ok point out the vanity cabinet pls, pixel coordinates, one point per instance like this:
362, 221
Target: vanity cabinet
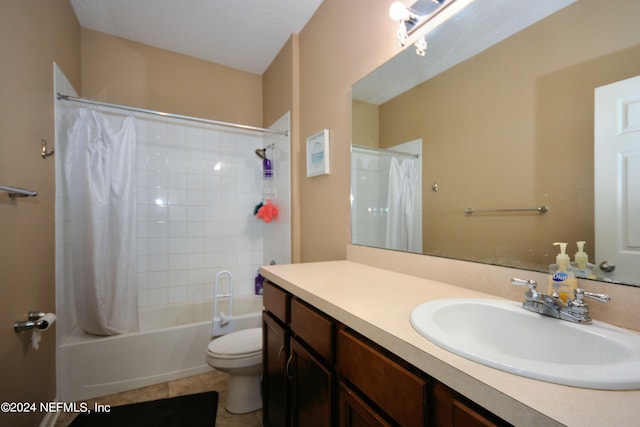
275, 402
311, 367
318, 372
451, 409
298, 362
394, 392
355, 412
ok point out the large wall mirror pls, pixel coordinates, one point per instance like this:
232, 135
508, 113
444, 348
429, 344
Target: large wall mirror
499, 114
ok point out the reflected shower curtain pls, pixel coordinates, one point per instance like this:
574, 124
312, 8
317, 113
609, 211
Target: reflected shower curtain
100, 176
403, 182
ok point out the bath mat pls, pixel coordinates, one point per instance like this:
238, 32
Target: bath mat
193, 410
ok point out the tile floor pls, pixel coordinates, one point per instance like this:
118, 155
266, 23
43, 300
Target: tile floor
214, 380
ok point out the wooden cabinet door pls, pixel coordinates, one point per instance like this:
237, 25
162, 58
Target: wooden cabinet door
311, 389
450, 411
353, 412
399, 393
313, 328
276, 301
275, 407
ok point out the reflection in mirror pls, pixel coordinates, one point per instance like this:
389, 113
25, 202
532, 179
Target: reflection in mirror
387, 196
510, 127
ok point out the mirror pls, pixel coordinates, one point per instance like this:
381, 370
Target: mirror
503, 102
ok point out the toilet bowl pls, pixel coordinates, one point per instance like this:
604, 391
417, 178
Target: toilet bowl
239, 354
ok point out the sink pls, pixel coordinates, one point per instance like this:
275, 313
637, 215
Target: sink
503, 335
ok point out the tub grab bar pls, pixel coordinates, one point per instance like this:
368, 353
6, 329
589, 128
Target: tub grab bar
222, 323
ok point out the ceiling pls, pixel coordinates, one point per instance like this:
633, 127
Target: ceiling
242, 34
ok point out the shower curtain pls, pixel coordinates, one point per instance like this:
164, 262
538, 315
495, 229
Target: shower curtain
401, 199
99, 168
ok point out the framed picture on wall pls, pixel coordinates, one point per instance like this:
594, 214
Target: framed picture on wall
318, 153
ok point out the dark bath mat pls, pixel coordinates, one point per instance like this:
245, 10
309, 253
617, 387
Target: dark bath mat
193, 410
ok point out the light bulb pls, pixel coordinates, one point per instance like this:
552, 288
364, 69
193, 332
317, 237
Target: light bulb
398, 11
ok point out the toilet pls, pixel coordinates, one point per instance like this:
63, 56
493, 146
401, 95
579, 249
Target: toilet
239, 354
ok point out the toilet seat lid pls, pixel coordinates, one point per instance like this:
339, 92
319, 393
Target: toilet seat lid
245, 341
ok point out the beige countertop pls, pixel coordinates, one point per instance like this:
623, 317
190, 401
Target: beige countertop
377, 303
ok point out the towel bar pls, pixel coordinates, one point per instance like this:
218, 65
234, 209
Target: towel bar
18, 192
541, 209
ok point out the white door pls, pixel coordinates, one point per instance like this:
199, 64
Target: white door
617, 179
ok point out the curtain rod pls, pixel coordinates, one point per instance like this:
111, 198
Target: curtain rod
169, 115
383, 151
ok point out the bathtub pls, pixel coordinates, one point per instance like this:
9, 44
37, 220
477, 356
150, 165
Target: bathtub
171, 344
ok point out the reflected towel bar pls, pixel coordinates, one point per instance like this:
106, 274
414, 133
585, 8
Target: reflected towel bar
541, 209
17, 192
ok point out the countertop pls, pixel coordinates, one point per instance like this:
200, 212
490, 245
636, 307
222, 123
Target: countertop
377, 303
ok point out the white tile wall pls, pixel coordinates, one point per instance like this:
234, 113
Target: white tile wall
370, 181
197, 189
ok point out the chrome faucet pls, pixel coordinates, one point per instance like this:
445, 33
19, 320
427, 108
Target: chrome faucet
575, 310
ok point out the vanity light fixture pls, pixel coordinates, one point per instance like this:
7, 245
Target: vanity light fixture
398, 12
418, 14
421, 46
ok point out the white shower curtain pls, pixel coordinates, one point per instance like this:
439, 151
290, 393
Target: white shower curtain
100, 175
401, 201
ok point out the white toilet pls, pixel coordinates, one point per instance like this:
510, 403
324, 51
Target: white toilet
239, 354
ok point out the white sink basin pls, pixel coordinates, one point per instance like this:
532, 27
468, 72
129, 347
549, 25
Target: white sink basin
503, 335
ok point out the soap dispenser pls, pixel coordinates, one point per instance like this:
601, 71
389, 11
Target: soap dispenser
562, 280
581, 265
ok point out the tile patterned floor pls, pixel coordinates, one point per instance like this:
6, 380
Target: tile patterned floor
214, 380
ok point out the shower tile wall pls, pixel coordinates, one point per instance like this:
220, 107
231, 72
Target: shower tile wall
197, 189
369, 198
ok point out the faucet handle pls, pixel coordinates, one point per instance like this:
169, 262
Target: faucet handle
580, 293
522, 282
532, 284
581, 308
532, 293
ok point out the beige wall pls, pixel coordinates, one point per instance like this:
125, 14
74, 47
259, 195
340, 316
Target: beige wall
343, 42
365, 120
280, 81
280, 93
125, 72
494, 123
33, 34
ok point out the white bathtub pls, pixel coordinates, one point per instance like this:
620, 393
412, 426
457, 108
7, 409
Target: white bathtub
171, 344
